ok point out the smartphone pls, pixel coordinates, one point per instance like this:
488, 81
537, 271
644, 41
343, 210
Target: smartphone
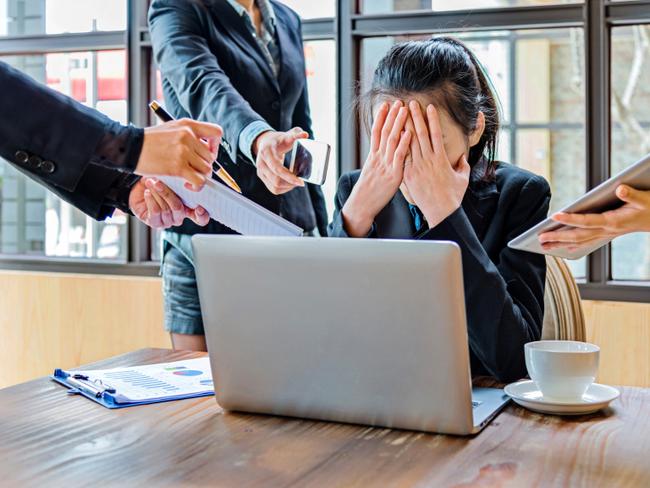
309, 160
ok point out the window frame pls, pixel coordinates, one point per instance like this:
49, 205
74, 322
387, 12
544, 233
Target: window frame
348, 28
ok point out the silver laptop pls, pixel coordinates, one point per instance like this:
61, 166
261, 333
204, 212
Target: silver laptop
348, 330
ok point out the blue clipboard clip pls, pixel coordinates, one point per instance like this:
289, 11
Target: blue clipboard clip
82, 384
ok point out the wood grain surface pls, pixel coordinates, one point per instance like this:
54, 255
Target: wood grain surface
59, 320
49, 439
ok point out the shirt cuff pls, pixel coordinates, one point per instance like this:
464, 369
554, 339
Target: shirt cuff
120, 147
118, 195
248, 135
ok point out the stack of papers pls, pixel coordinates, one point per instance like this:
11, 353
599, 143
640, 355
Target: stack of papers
232, 209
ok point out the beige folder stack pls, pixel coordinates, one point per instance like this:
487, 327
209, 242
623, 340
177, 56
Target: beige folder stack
563, 315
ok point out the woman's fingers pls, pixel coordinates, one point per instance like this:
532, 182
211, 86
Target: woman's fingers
395, 134
388, 125
377, 126
638, 198
273, 182
154, 212
463, 168
203, 129
570, 236
416, 151
173, 201
199, 216
435, 132
584, 221
402, 149
206, 156
421, 130
166, 214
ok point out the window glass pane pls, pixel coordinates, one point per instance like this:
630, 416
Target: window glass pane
312, 9
33, 220
33, 17
538, 76
320, 57
630, 81
381, 6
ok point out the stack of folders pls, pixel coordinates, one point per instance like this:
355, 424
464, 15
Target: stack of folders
140, 385
233, 209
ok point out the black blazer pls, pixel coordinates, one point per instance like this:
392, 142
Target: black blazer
504, 288
213, 70
74, 151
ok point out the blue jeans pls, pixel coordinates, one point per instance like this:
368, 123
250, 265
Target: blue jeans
182, 309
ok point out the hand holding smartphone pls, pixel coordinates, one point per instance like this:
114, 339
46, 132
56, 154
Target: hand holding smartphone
309, 160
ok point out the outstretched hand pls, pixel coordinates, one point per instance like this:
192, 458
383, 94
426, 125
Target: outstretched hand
586, 229
270, 148
183, 148
155, 204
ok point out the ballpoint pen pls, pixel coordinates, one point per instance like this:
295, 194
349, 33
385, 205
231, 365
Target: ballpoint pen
221, 173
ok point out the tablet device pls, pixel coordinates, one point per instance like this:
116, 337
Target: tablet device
600, 199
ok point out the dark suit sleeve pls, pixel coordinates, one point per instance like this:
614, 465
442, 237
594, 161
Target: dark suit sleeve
505, 301
186, 61
336, 228
54, 138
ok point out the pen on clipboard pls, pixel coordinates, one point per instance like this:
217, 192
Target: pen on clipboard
221, 173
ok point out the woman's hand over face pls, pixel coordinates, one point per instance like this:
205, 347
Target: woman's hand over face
382, 172
436, 186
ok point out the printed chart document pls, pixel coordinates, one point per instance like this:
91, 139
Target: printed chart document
232, 209
137, 385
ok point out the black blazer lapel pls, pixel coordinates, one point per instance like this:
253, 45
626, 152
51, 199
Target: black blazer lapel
486, 197
233, 25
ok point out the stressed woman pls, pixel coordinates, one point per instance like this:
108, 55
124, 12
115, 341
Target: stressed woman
431, 174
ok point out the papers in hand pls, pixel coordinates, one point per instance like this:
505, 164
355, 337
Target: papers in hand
232, 209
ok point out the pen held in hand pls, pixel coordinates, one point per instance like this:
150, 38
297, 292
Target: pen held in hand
221, 173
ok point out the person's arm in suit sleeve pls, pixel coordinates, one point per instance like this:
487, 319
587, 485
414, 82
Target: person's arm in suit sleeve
505, 301
185, 59
336, 228
55, 138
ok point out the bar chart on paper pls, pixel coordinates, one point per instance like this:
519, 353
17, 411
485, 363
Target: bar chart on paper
156, 381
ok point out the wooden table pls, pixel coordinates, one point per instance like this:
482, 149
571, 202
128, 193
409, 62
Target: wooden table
49, 439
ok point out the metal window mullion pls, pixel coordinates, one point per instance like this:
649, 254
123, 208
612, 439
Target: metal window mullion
87, 41
315, 29
597, 69
139, 248
628, 13
509, 18
347, 60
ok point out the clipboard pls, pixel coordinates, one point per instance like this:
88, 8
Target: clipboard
232, 209
140, 385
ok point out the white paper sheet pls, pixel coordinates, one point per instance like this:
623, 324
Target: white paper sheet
232, 209
155, 381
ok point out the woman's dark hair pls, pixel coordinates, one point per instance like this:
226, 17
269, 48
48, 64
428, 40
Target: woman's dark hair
445, 70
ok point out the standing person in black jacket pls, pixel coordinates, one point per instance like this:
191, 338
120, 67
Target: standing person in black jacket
431, 174
239, 62
90, 160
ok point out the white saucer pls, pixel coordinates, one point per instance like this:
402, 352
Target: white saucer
526, 394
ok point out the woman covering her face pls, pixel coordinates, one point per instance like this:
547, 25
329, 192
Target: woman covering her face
431, 174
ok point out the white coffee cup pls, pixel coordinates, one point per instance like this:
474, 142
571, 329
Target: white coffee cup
562, 370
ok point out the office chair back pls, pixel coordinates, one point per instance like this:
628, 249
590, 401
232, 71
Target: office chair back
563, 317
